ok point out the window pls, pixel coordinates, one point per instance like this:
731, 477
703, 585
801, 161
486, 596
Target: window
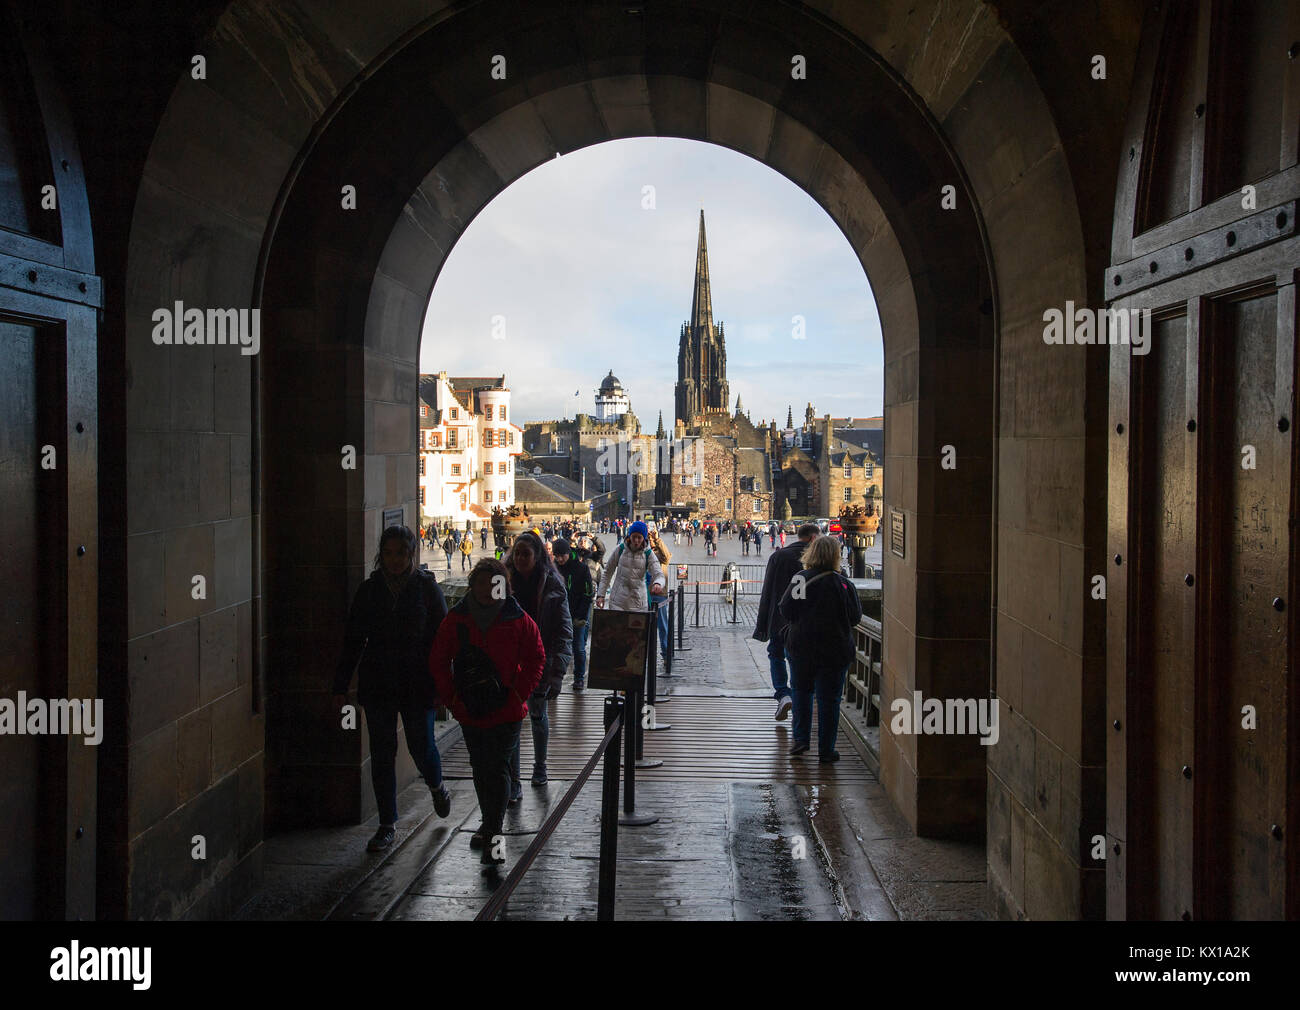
756, 506
422, 491
683, 480
511, 437
699, 502
435, 440
868, 469
487, 469
424, 410
504, 496
505, 467
848, 470
421, 466
487, 412
451, 437
487, 496
462, 501
487, 438
501, 436
502, 412
699, 479
455, 469
717, 480
455, 413
848, 494
728, 504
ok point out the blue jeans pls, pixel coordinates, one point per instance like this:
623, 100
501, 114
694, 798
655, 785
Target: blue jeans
580, 630
776, 660
828, 686
421, 741
662, 616
537, 715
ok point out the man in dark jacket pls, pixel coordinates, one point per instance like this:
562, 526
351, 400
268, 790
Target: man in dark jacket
577, 581
782, 566
390, 630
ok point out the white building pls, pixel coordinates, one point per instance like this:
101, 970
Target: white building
612, 401
468, 448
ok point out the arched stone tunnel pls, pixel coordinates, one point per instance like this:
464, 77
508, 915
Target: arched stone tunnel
224, 190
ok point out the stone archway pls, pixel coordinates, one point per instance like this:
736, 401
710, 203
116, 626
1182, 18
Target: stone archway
299, 104
933, 286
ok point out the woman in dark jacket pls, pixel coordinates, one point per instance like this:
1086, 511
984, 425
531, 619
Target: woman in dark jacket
391, 626
822, 608
539, 588
496, 623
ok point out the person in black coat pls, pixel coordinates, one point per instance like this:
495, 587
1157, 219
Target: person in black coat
822, 608
782, 566
539, 588
577, 581
391, 626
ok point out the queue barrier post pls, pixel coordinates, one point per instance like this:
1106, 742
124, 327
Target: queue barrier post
649, 722
615, 722
614, 712
631, 816
668, 654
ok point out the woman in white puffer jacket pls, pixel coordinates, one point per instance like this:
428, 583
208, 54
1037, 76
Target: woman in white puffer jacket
623, 582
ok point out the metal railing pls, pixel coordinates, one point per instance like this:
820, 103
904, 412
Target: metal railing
711, 573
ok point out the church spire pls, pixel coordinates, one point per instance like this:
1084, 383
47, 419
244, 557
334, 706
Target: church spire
701, 297
659, 432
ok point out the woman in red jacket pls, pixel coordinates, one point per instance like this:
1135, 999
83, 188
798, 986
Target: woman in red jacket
489, 619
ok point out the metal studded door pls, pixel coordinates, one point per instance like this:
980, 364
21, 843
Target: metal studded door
48, 549
1201, 684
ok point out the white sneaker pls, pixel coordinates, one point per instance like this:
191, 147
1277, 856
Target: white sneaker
783, 709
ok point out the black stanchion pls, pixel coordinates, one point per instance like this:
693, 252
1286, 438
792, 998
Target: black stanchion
646, 699
652, 684
697, 604
681, 620
668, 655
735, 596
631, 817
609, 815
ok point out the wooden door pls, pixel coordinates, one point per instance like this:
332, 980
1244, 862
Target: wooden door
48, 492
1201, 682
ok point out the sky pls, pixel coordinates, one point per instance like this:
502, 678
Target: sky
588, 271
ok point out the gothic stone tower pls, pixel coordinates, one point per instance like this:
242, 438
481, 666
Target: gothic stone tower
701, 351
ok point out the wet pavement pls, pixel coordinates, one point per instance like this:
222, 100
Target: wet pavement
745, 832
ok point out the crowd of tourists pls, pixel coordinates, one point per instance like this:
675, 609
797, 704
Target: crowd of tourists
503, 651
495, 658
